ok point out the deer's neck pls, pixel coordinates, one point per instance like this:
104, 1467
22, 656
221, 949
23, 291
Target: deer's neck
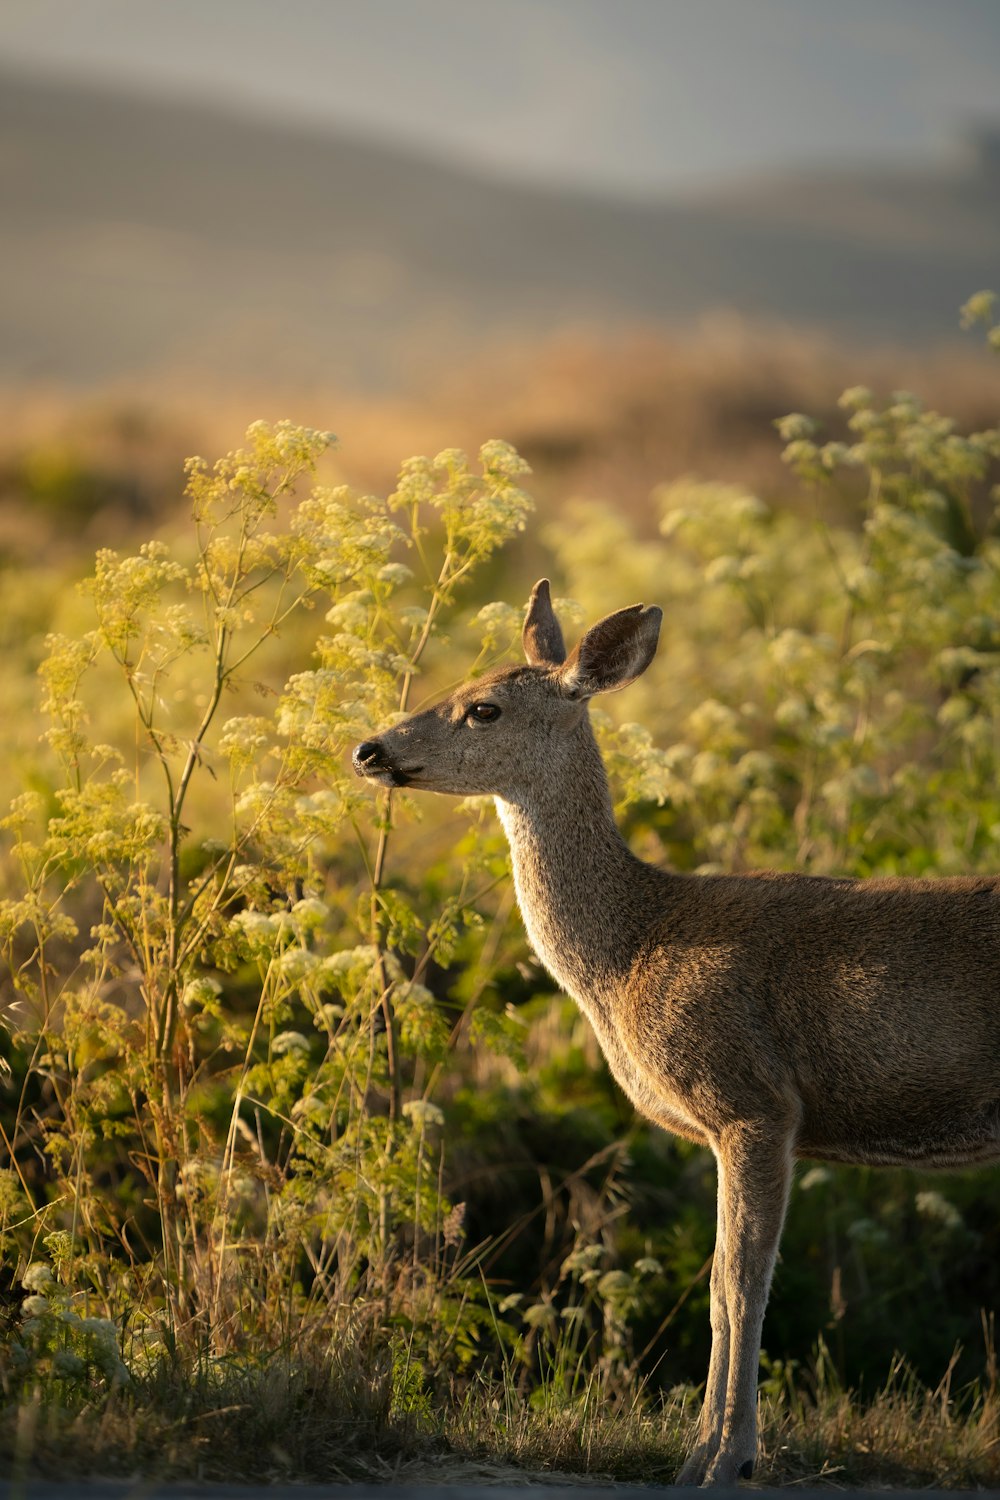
583, 894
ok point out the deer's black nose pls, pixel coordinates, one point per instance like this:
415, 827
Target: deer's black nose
368, 756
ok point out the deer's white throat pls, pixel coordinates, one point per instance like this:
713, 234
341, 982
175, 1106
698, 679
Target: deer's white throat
574, 874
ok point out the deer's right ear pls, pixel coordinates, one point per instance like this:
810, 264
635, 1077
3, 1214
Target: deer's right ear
614, 652
542, 638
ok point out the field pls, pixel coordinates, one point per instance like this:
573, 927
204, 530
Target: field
307, 1169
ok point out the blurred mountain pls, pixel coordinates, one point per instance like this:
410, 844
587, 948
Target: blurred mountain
141, 237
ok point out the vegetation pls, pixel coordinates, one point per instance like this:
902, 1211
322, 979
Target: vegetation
306, 1168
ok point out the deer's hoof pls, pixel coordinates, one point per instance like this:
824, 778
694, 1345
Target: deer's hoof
694, 1468
726, 1469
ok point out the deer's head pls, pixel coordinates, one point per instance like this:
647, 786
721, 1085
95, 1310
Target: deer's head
497, 732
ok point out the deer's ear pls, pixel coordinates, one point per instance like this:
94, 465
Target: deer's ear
614, 652
542, 638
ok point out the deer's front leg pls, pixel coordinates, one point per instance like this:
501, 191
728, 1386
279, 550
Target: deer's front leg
714, 1407
756, 1170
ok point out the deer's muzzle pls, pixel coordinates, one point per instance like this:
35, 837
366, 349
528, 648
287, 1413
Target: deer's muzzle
370, 760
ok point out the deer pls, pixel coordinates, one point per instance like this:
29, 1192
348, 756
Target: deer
769, 1016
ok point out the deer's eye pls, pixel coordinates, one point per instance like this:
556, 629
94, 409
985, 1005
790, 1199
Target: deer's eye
482, 713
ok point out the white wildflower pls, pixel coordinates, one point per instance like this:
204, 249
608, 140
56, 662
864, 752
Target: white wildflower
289, 1041
423, 1113
37, 1276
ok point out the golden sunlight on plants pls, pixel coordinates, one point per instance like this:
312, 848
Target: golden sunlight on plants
287, 1105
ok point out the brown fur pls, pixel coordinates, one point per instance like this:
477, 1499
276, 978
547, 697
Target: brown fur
767, 1016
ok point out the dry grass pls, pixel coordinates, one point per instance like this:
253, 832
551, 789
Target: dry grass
335, 1419
906, 1436
326, 1414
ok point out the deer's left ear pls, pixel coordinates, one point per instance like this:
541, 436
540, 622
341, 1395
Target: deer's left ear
614, 652
542, 637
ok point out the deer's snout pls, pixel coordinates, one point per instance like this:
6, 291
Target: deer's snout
368, 757
372, 760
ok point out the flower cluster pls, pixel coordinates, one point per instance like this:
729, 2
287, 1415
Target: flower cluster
56, 1342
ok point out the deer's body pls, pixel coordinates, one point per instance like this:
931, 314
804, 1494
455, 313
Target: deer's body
767, 1016
864, 1011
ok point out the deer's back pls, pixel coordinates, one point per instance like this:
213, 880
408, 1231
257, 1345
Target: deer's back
867, 1011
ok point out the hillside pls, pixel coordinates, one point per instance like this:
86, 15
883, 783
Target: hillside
141, 236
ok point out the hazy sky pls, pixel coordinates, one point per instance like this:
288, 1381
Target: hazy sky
630, 94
